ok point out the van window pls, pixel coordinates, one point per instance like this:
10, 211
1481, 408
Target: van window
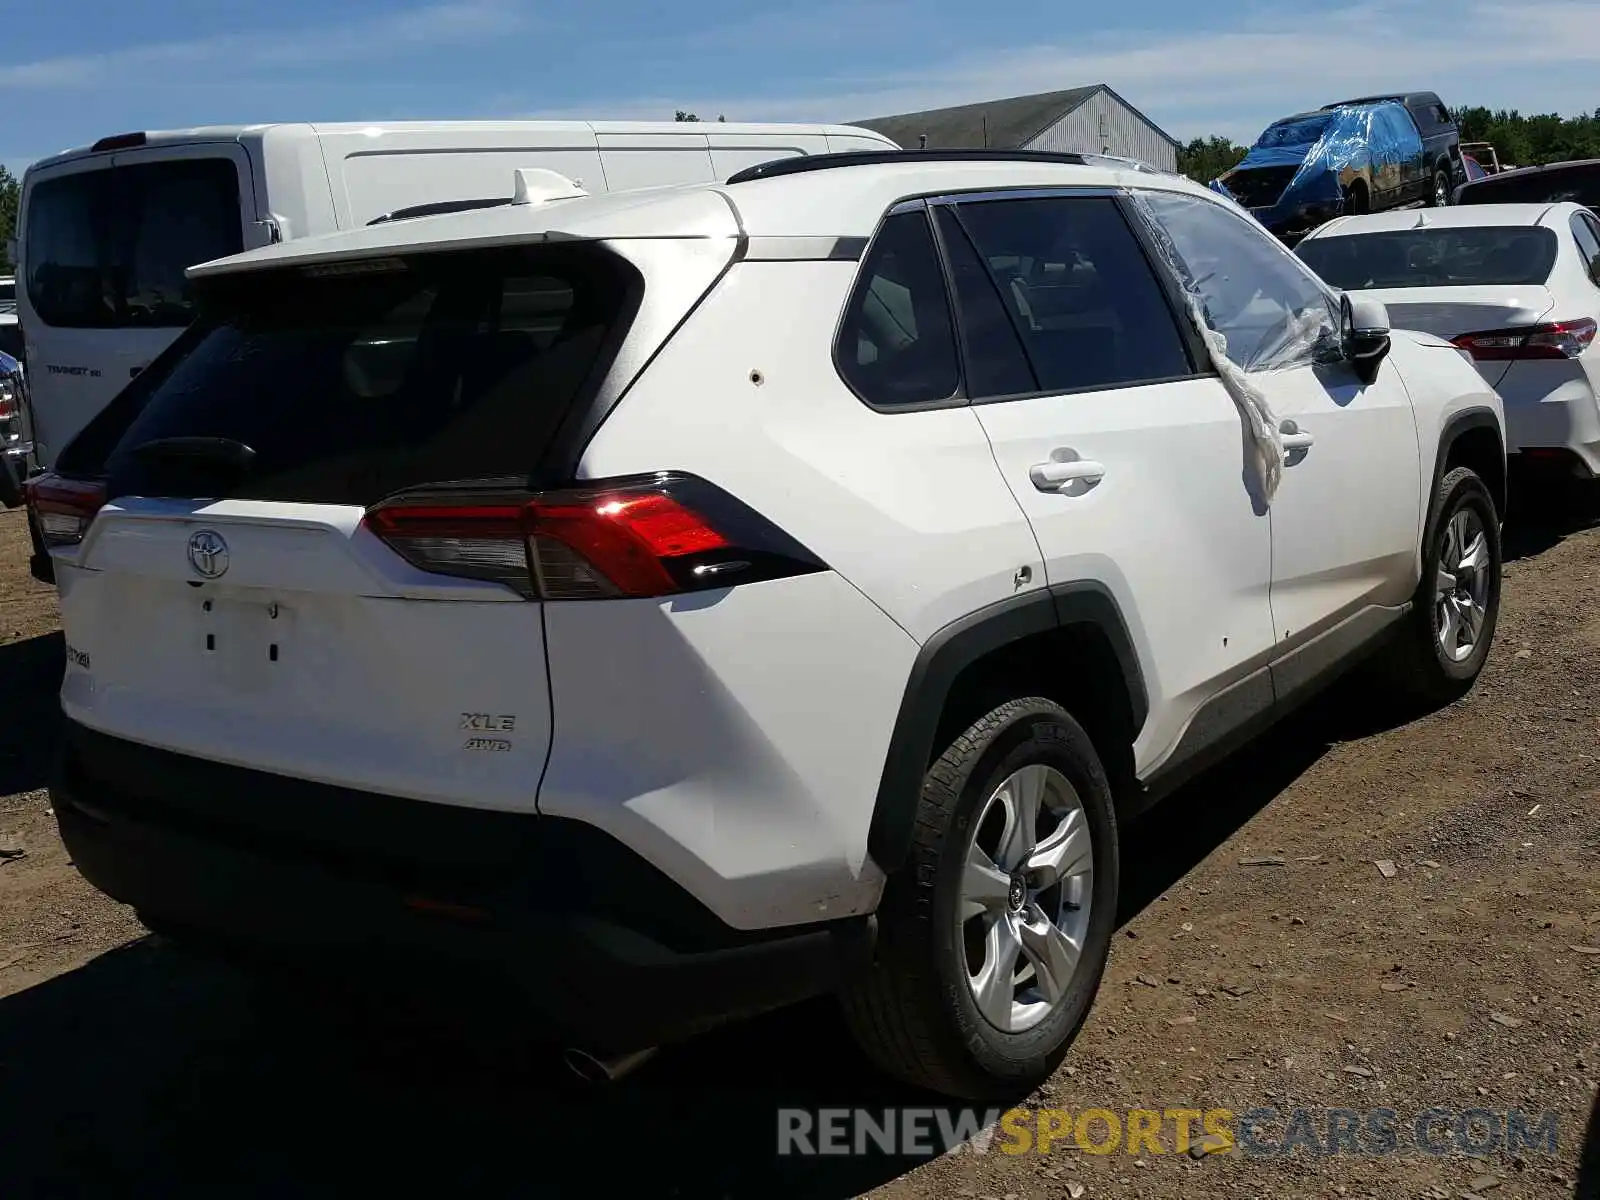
107, 249
346, 388
8, 295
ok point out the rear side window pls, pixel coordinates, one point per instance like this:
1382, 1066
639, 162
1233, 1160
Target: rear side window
347, 388
1439, 257
1080, 293
897, 346
107, 249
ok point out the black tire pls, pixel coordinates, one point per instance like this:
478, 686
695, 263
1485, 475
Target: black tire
1420, 668
1355, 199
1439, 189
913, 1011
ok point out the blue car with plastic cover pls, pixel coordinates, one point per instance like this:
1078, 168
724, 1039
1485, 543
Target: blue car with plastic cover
1311, 167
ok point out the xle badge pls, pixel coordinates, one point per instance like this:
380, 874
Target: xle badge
488, 723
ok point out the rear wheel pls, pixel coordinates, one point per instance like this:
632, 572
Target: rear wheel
1355, 199
1446, 637
1439, 196
995, 934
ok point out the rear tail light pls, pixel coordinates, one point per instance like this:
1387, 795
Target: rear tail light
1558, 339
63, 508
652, 535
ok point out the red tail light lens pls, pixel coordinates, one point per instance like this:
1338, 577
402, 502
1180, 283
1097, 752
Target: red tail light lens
651, 535
1558, 339
63, 508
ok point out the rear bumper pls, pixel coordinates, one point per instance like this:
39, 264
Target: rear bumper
544, 920
1565, 417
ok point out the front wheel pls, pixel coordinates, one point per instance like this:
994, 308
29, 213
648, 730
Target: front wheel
994, 935
1446, 637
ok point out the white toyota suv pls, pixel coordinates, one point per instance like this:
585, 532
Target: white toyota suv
656, 607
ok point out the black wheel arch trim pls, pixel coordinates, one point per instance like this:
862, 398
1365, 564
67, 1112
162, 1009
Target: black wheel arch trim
940, 662
1459, 423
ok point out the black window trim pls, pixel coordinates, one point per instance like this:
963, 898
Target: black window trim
1171, 291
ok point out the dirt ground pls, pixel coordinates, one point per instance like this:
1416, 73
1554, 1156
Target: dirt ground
1468, 978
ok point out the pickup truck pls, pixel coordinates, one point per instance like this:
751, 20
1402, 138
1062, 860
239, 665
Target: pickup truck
1441, 142
1364, 156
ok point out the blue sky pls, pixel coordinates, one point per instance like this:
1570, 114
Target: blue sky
74, 70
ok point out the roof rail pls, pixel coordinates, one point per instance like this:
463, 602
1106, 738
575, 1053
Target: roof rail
802, 164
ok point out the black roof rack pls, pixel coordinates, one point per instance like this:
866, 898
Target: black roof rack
438, 208
801, 164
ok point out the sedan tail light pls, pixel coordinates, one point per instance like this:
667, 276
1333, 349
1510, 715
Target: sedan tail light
1558, 339
653, 535
64, 508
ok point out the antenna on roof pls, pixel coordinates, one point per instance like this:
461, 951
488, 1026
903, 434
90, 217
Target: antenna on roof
536, 185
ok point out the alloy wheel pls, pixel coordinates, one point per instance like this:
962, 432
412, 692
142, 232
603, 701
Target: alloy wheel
1461, 586
1025, 896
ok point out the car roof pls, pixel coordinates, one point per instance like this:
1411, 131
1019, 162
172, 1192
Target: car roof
1398, 97
1473, 216
841, 201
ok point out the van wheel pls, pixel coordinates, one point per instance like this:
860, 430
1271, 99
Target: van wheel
994, 936
1355, 199
1445, 639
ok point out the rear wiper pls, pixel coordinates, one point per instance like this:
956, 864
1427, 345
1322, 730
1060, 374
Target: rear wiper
199, 451
192, 466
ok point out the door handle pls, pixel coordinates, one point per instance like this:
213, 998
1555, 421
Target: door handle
1053, 476
1296, 441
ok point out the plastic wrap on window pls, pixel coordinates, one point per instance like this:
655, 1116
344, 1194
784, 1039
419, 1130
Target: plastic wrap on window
1267, 459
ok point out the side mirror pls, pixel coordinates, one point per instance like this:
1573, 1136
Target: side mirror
1363, 334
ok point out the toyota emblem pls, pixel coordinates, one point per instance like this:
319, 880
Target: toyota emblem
208, 554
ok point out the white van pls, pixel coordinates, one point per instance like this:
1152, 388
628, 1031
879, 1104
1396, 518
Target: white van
106, 232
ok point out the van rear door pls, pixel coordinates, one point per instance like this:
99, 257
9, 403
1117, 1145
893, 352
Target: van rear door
104, 243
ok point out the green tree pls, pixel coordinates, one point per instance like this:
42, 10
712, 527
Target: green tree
689, 116
10, 198
1529, 141
1203, 159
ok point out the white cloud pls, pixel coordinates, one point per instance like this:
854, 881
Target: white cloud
1539, 57
470, 20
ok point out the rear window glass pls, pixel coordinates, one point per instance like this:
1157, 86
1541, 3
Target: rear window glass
1303, 131
107, 249
1503, 254
1579, 184
347, 388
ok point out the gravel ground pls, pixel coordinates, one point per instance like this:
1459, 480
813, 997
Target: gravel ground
1454, 975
